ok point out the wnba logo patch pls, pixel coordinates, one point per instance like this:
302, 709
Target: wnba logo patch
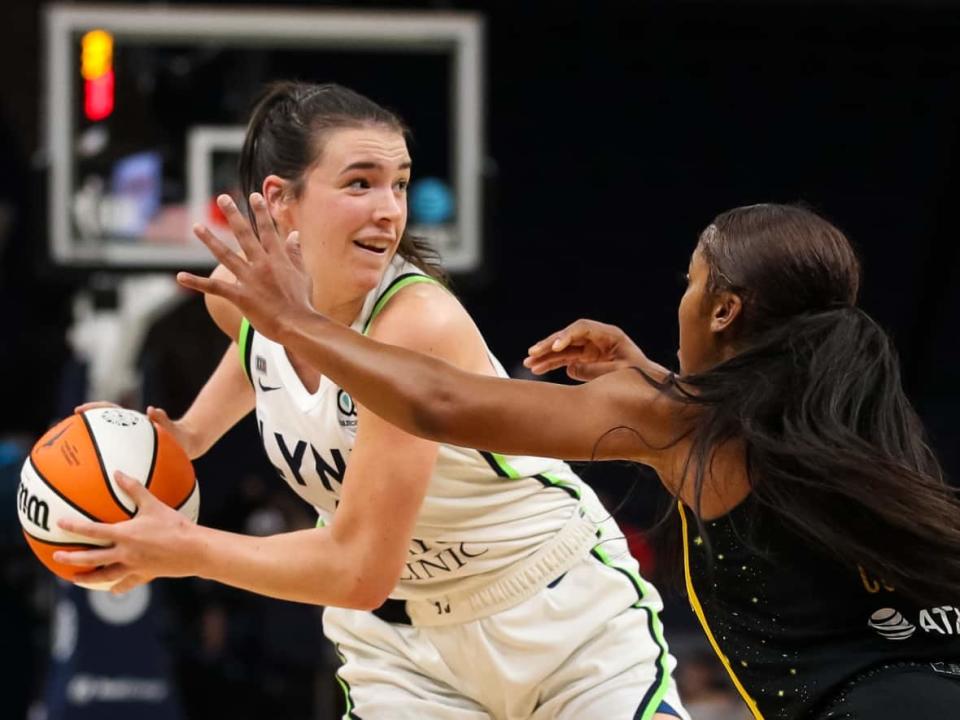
346, 410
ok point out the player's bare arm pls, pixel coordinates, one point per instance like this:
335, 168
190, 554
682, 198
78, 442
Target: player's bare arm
617, 416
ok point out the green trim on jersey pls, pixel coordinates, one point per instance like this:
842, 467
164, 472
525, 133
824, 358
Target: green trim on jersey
345, 686
496, 461
651, 701
244, 345
393, 288
504, 469
569, 488
508, 469
632, 575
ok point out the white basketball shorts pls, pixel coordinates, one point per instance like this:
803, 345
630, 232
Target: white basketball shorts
588, 645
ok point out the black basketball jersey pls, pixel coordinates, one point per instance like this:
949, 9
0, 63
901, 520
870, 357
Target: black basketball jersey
791, 624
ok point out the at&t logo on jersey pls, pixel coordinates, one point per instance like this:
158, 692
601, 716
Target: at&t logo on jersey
890, 624
346, 410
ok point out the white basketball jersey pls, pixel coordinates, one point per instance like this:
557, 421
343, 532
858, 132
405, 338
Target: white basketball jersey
482, 511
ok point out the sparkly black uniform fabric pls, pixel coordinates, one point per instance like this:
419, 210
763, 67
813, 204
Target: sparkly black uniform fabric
799, 630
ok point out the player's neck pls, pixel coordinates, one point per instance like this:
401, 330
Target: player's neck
338, 309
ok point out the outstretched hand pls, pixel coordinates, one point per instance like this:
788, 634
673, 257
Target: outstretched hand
586, 348
271, 288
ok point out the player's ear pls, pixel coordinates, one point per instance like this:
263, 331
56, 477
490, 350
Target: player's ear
727, 307
276, 192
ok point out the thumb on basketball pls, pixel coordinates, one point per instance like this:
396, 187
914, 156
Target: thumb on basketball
93, 405
160, 417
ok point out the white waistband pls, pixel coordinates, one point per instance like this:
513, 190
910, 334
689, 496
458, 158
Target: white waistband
517, 583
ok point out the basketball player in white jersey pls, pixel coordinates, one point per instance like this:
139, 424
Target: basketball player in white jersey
459, 583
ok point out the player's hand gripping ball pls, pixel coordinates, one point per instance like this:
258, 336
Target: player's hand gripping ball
70, 474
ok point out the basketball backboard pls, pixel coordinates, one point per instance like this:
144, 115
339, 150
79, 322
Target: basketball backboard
144, 120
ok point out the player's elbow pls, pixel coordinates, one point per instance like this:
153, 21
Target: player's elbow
367, 574
369, 599
370, 589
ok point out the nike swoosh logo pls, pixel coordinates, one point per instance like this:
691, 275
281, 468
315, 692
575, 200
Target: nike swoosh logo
51, 441
267, 388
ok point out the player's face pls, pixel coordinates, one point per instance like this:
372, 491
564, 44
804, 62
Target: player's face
697, 344
353, 208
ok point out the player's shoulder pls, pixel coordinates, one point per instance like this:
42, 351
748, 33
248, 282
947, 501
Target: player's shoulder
423, 316
223, 312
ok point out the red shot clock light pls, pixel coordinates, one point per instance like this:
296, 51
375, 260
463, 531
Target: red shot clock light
96, 67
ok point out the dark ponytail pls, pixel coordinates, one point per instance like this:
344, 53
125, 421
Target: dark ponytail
833, 447
286, 134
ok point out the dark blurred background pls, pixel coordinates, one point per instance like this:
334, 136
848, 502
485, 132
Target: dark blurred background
615, 132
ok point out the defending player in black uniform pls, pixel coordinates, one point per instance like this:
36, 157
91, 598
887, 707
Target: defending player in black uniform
822, 545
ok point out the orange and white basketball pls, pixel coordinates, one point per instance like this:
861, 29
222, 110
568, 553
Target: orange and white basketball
70, 473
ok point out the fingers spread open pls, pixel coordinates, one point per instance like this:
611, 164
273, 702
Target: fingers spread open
269, 240
231, 260
241, 228
208, 286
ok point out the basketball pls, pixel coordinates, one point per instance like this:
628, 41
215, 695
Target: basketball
70, 474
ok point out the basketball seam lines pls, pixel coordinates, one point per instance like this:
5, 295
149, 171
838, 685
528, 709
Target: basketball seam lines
103, 468
60, 495
58, 543
187, 498
153, 460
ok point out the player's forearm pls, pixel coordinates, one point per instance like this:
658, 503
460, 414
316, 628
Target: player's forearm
307, 566
224, 400
433, 399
